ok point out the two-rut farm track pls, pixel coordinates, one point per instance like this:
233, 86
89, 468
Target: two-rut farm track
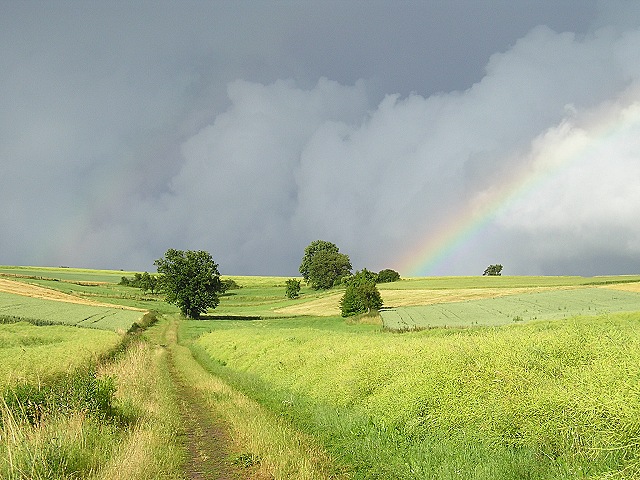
207, 441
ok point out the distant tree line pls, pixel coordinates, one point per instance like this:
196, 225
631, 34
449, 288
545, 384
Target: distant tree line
153, 283
143, 281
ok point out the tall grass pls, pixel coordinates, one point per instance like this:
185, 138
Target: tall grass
59, 429
30, 353
152, 446
274, 448
64, 313
538, 400
114, 421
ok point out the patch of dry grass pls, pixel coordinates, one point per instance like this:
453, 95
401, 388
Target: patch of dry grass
36, 291
627, 287
327, 306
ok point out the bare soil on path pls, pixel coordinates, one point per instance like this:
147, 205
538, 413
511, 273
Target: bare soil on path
207, 439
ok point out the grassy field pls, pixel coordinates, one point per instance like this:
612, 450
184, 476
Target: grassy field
79, 275
456, 283
541, 383
50, 311
29, 353
538, 400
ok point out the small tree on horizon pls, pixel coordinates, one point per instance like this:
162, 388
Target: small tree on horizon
387, 275
493, 270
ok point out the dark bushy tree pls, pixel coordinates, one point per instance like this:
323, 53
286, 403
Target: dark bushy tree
327, 268
493, 270
361, 294
293, 288
310, 251
323, 265
148, 282
229, 284
388, 275
190, 280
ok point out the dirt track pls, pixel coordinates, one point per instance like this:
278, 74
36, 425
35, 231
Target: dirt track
207, 439
36, 291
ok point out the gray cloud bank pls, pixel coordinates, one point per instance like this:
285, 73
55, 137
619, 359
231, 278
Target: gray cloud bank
256, 174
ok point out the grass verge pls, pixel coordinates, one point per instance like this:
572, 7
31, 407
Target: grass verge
265, 443
113, 421
536, 400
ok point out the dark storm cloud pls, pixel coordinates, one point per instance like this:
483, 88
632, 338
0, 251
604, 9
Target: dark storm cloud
252, 128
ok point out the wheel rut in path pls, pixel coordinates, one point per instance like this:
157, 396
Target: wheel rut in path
208, 443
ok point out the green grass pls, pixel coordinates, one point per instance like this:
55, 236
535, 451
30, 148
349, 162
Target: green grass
67, 274
105, 420
534, 400
548, 305
30, 353
36, 309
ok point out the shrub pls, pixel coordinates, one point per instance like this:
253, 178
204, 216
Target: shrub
229, 284
293, 288
81, 391
387, 275
361, 294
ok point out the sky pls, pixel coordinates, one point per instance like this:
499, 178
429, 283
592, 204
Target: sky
431, 137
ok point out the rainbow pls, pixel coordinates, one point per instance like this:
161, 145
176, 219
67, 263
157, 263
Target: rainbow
552, 154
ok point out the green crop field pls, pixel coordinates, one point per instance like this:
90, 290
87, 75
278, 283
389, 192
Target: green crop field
538, 400
541, 383
67, 274
49, 311
546, 305
31, 353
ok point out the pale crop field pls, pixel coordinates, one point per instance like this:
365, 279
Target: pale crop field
509, 282
50, 311
432, 290
504, 309
47, 293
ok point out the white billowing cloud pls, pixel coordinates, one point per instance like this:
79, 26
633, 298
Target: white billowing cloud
236, 192
283, 166
587, 209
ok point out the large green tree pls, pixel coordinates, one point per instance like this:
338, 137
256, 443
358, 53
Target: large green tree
190, 280
323, 264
